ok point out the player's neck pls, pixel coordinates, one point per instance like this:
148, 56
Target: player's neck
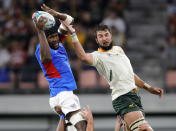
105, 49
101, 50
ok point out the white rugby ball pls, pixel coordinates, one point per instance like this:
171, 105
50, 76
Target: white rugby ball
50, 19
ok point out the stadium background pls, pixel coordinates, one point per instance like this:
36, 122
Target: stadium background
146, 29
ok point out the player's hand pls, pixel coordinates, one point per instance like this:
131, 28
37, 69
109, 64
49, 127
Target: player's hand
118, 123
156, 91
69, 28
119, 120
40, 22
49, 10
87, 114
54, 13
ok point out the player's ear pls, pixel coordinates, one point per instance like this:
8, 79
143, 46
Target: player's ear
96, 40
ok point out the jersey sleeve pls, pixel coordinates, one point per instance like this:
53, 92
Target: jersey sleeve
95, 58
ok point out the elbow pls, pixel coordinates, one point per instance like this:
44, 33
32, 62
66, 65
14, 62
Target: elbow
82, 58
85, 60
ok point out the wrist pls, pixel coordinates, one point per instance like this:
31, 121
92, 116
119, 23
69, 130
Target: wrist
147, 86
62, 116
40, 31
68, 19
73, 34
74, 37
39, 28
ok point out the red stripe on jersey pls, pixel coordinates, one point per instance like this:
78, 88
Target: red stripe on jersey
51, 70
62, 38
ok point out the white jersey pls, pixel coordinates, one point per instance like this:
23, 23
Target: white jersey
116, 68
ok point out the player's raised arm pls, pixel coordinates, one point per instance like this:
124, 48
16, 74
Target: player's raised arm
140, 83
59, 16
118, 123
87, 114
44, 46
54, 13
82, 55
61, 124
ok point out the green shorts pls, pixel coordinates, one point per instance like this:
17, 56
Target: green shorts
127, 103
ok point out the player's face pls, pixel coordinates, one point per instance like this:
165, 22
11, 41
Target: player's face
104, 39
53, 41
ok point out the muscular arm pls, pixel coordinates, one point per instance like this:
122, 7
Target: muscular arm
90, 125
90, 121
82, 55
118, 124
61, 125
44, 47
87, 114
140, 83
61, 16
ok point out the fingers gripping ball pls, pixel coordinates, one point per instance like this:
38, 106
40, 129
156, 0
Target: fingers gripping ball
50, 19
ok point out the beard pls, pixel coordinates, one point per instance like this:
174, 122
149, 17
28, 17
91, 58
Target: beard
106, 47
54, 46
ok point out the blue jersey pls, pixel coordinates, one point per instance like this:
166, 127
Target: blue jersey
57, 71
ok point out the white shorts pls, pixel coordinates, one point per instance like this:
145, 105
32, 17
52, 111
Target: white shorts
68, 102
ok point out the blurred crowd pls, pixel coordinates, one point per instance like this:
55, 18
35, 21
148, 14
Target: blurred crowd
19, 70
170, 50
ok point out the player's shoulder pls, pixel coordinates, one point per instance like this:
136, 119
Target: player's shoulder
94, 52
117, 47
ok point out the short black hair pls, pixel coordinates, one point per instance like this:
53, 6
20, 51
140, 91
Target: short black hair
101, 27
52, 30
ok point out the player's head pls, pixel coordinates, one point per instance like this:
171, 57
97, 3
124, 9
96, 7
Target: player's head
52, 37
103, 37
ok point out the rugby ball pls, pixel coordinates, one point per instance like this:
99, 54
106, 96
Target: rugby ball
50, 19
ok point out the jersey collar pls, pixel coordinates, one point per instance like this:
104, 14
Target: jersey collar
101, 50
